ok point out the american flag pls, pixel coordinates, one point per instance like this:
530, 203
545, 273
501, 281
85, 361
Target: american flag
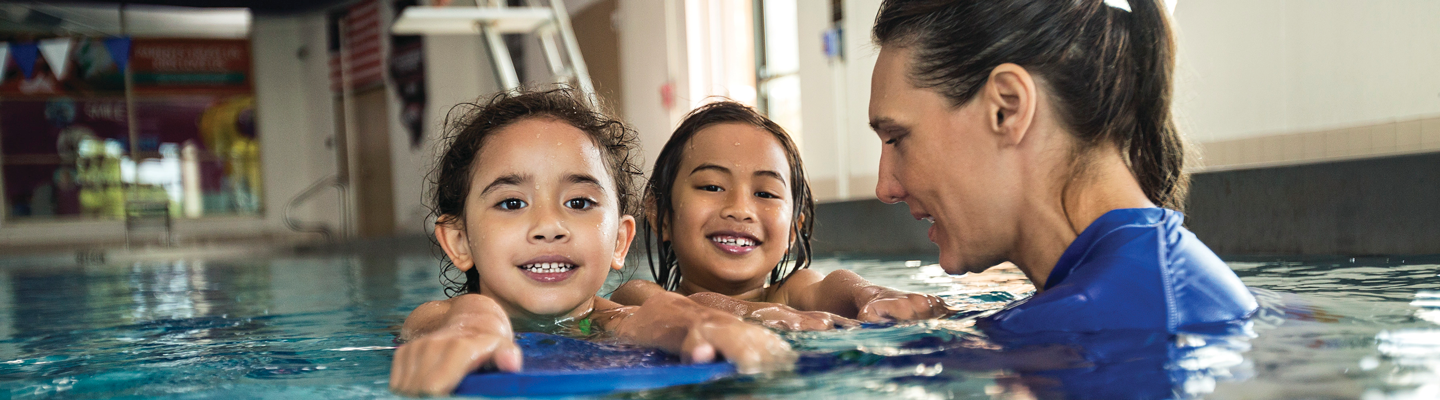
360, 24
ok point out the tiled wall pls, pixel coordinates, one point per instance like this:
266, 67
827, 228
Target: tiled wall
1408, 136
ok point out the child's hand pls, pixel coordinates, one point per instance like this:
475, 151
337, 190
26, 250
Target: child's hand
699, 333
434, 364
470, 331
780, 316
751, 348
893, 305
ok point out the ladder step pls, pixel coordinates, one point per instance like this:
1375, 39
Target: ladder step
424, 20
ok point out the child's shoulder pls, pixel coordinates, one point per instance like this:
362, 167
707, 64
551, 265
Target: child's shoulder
801, 279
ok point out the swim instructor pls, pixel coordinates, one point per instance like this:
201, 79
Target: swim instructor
1039, 132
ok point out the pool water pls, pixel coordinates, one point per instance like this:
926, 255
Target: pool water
322, 325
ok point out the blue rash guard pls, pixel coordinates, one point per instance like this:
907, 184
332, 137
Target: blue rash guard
1133, 268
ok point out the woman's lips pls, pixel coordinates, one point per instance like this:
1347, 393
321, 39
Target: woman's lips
738, 244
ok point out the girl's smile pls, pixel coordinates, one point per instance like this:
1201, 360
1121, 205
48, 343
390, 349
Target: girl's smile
549, 269
735, 242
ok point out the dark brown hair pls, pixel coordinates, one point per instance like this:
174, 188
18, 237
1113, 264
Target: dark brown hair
467, 136
660, 208
1109, 70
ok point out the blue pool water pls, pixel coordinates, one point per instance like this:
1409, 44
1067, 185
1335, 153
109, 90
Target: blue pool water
322, 325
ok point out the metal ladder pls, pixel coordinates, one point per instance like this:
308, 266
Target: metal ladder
551, 24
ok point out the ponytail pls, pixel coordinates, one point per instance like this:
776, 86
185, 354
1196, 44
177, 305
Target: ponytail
1156, 150
1109, 69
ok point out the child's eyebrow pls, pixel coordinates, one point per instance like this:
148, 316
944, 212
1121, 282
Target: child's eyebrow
710, 166
769, 173
763, 172
584, 179
503, 180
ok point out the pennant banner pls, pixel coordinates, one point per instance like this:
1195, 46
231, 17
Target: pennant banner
57, 54
119, 48
4, 57
25, 55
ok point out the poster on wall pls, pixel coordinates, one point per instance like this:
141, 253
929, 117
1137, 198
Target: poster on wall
67, 145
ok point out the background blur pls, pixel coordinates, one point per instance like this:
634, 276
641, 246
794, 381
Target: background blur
183, 124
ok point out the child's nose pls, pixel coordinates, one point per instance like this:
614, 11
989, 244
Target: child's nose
738, 207
548, 227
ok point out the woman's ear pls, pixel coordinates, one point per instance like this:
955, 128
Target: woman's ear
451, 235
623, 238
1010, 99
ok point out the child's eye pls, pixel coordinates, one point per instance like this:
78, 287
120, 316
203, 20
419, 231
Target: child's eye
511, 204
712, 188
767, 195
580, 203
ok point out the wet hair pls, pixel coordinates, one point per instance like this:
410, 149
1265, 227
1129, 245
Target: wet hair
1109, 70
467, 134
660, 208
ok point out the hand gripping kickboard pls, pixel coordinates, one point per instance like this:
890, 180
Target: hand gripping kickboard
557, 366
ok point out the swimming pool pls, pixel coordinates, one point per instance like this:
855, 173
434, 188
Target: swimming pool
321, 325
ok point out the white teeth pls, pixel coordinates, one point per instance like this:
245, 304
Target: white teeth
930, 219
733, 241
548, 268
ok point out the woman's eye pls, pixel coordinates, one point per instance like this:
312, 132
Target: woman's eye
511, 204
711, 188
580, 203
895, 139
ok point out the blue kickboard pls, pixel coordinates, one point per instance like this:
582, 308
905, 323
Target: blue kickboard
557, 365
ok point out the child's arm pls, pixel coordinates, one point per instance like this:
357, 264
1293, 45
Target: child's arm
447, 339
635, 292
678, 325
774, 315
847, 294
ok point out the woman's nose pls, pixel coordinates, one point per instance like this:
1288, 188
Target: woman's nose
887, 188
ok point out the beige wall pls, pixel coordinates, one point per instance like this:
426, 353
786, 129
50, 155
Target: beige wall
1265, 82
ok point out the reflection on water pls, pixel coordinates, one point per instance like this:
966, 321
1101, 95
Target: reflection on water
323, 326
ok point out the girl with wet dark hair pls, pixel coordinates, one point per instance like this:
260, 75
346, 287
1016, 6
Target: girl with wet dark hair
730, 211
1039, 133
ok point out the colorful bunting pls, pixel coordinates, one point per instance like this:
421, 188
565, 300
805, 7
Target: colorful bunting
119, 48
57, 54
25, 55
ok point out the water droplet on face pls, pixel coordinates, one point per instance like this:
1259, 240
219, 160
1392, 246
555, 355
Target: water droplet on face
737, 143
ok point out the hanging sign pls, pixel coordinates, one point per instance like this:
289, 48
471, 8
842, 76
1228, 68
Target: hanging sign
189, 65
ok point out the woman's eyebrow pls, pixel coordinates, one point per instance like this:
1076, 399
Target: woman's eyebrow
876, 124
505, 180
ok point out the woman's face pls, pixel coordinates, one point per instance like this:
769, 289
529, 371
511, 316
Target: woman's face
732, 207
945, 163
542, 226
